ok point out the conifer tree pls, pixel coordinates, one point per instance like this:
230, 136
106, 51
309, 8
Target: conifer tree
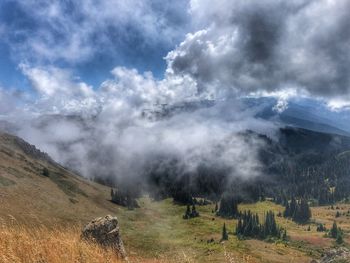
336, 233
339, 239
299, 211
284, 236
249, 226
287, 212
124, 197
320, 228
46, 172
239, 227
187, 214
112, 194
334, 230
190, 213
293, 207
224, 233
228, 206
194, 212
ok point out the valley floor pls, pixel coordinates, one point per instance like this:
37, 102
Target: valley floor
156, 232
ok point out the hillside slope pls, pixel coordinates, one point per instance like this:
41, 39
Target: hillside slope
41, 215
36, 209
29, 196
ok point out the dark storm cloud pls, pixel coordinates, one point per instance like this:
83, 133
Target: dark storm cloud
254, 46
262, 36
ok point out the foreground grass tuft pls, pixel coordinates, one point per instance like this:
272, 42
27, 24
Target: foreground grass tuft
41, 245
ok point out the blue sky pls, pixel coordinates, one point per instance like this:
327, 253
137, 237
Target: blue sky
140, 41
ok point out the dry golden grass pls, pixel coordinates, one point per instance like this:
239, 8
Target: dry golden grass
43, 245
23, 244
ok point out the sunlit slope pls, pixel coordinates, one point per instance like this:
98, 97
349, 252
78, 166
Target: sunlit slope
29, 195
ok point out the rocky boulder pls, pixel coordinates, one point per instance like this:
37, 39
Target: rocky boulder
335, 255
105, 231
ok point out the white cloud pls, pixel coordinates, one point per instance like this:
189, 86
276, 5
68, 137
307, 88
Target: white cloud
339, 104
104, 131
51, 81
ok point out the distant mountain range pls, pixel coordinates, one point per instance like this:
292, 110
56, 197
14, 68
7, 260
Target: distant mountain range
302, 113
305, 114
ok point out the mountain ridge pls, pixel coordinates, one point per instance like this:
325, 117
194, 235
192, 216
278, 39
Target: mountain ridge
28, 194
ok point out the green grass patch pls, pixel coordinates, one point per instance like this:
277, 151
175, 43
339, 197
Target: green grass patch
70, 188
157, 230
6, 182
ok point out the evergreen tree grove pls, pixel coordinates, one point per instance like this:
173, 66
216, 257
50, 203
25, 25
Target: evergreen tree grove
228, 206
124, 198
249, 226
190, 213
299, 211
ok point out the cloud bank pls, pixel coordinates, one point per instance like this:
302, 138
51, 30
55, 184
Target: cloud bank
250, 46
133, 120
193, 114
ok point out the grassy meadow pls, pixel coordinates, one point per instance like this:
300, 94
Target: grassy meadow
156, 232
41, 218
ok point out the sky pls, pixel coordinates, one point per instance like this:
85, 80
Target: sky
108, 62
89, 37
244, 47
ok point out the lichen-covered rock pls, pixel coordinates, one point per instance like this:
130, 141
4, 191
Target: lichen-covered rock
334, 255
105, 231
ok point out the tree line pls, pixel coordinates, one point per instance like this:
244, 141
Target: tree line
298, 211
249, 226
